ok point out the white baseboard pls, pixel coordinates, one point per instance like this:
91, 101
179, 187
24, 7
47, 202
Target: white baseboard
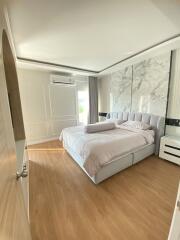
32, 142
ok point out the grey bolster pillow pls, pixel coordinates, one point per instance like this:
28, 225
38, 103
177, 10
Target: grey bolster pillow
99, 127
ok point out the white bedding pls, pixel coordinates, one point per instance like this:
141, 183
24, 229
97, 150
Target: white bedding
98, 149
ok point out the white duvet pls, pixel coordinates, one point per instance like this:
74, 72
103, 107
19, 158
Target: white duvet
98, 149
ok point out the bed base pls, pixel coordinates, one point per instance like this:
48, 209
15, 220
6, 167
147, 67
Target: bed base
116, 165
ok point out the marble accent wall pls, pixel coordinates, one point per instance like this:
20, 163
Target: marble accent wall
120, 90
142, 87
150, 85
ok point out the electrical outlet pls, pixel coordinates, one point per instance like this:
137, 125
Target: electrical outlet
173, 122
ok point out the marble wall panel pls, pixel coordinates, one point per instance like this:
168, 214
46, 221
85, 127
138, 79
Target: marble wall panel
150, 85
120, 90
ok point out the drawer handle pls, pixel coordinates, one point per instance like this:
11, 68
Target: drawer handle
166, 145
172, 154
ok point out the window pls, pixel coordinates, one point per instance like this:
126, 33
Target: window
83, 101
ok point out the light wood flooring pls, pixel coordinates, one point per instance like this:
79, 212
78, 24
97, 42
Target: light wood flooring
135, 204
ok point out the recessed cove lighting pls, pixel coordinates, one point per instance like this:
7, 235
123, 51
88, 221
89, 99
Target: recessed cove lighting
130, 52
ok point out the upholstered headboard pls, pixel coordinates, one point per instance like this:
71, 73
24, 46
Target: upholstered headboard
157, 122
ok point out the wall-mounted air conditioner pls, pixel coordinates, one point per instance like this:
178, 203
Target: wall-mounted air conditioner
62, 80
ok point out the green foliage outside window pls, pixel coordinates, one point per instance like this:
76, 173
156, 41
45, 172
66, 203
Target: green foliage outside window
81, 109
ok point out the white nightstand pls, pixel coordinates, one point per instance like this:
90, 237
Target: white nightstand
170, 149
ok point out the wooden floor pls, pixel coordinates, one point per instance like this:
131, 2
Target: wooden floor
135, 204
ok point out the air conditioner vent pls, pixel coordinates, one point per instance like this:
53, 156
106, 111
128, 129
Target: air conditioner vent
62, 80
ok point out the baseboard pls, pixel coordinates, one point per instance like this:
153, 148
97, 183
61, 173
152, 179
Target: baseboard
41, 140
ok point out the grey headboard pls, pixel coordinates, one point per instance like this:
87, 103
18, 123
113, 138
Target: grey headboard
157, 122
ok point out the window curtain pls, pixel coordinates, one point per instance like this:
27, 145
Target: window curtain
93, 99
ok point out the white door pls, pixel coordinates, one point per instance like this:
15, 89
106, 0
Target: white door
14, 223
12, 90
174, 233
22, 164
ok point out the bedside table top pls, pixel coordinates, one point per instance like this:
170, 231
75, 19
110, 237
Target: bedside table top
170, 137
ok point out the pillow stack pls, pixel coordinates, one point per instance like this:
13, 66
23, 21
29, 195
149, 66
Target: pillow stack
137, 125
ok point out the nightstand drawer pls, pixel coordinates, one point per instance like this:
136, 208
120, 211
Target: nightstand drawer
169, 157
170, 142
170, 149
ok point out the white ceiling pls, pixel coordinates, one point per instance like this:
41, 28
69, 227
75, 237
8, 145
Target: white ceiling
90, 34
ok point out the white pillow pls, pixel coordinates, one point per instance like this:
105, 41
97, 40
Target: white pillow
116, 121
137, 125
99, 127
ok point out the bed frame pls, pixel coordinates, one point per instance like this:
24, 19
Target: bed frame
131, 158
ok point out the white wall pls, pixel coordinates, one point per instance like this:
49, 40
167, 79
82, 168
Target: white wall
41, 122
47, 108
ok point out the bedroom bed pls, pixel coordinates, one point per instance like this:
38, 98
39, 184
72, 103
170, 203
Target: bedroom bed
103, 154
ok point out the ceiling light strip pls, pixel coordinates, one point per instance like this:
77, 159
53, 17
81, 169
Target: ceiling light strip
93, 71
57, 65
